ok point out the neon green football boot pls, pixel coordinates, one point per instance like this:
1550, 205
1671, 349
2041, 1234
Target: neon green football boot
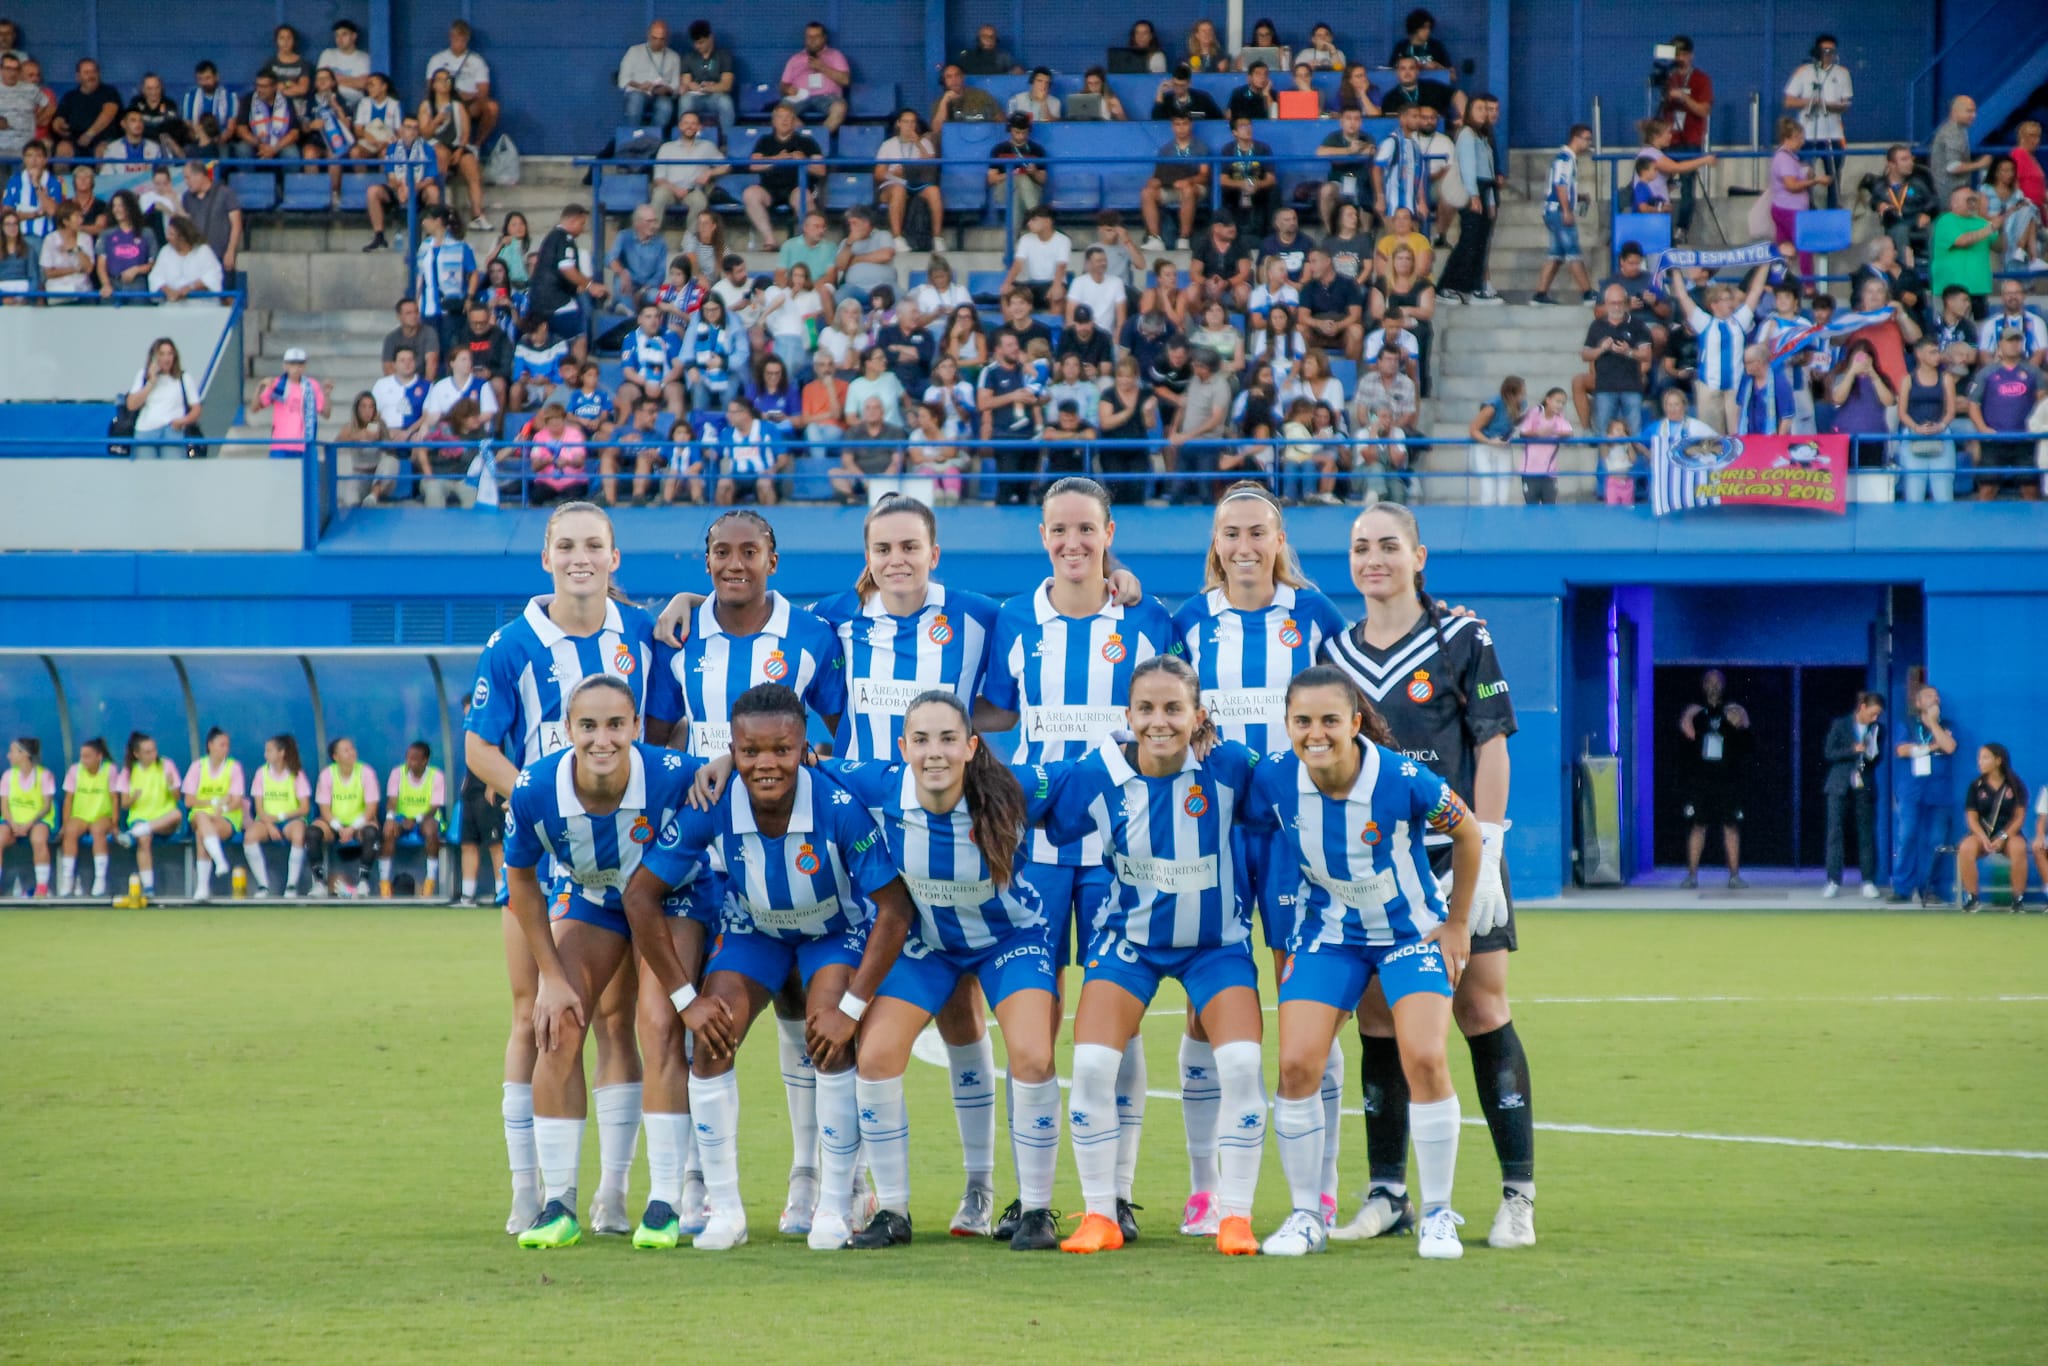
556, 1227
659, 1227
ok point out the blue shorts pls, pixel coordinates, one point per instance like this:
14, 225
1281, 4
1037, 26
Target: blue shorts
767, 961
698, 902
1204, 972
1021, 960
1337, 974
1564, 237
1069, 895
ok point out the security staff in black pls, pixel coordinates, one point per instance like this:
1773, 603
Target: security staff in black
1719, 734
1436, 680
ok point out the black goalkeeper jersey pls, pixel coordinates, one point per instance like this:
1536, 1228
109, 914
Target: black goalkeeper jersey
1442, 702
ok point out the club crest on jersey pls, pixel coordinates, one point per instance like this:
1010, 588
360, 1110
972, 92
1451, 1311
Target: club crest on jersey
1420, 689
775, 667
1196, 801
560, 907
623, 662
482, 696
940, 632
807, 861
642, 832
1371, 833
1113, 649
1290, 634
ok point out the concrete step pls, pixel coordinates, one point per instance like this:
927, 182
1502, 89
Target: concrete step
361, 322
329, 345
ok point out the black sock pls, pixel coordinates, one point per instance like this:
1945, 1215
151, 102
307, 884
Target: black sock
1385, 1088
1501, 1070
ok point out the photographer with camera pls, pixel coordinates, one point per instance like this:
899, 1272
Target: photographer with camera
1819, 94
1688, 108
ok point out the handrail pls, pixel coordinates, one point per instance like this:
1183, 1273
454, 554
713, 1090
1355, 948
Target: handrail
235, 311
1913, 106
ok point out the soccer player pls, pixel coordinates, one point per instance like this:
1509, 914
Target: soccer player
216, 797
746, 634
1257, 623
594, 809
346, 796
1349, 816
92, 808
148, 787
1179, 907
414, 798
1060, 670
30, 811
281, 799
1436, 681
523, 680
810, 891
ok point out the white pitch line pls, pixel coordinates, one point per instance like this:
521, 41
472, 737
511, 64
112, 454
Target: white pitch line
2010, 999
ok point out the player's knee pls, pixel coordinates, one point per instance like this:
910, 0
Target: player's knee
1426, 1067
1030, 1060
1301, 1074
1479, 1010
144, 837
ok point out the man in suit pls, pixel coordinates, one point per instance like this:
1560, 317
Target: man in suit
1854, 747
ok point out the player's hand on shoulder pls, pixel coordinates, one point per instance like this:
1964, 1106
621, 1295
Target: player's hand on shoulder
709, 784
1124, 588
672, 627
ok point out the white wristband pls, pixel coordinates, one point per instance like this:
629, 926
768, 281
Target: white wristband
852, 1007
682, 997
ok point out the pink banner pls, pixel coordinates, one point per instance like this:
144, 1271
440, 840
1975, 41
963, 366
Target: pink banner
1808, 472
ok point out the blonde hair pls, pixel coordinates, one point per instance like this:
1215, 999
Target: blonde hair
1286, 569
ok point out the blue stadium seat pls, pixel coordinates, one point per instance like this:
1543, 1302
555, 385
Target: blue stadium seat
306, 192
256, 189
638, 143
1117, 184
621, 191
916, 278
355, 189
610, 373
811, 479
1073, 189
984, 285
744, 136
1001, 88
1296, 137
871, 101
857, 142
755, 101
1345, 371
963, 178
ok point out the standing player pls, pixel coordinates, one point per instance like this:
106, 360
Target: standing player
30, 812
746, 634
148, 788
810, 892
216, 796
1436, 681
1060, 670
414, 798
523, 680
1180, 908
92, 809
1257, 623
1349, 817
282, 799
594, 809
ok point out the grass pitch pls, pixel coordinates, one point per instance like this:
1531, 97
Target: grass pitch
264, 1135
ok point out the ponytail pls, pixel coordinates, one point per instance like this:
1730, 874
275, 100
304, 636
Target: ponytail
99, 746
136, 740
288, 749
995, 803
32, 747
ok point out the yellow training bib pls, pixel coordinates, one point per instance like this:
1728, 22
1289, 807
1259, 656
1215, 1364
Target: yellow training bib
92, 794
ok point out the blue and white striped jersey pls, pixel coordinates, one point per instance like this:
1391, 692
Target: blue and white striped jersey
529, 667
595, 855
959, 907
736, 455
1246, 659
652, 356
1365, 875
1402, 173
441, 276
414, 165
20, 195
220, 102
704, 678
1564, 182
1069, 680
1181, 882
811, 881
888, 660
1720, 343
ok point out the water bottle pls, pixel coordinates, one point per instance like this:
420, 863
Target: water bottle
135, 897
240, 883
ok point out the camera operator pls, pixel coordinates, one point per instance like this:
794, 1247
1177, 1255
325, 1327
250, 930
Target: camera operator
1818, 95
1688, 107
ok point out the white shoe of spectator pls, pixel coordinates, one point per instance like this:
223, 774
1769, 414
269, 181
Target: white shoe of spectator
1154, 244
1870, 892
1449, 296
903, 245
479, 224
1831, 891
1488, 295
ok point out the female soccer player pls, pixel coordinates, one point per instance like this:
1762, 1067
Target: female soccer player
282, 799
1257, 622
953, 817
594, 810
91, 808
746, 634
415, 796
1060, 669
30, 806
523, 680
346, 798
1179, 907
217, 798
1436, 681
810, 890
148, 787
1348, 815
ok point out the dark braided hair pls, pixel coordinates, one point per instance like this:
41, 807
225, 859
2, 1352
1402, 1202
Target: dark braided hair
995, 803
769, 699
744, 515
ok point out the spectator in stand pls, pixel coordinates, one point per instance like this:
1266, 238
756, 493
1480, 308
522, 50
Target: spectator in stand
1102, 299
1043, 259
822, 415
638, 261
906, 164
1256, 97
126, 249
560, 291
1221, 269
1205, 48
1863, 398
1145, 47
401, 392
490, 350
707, 76
643, 447
273, 123
2001, 398
1095, 81
1721, 329
1995, 810
46, 101
1248, 180
988, 56
1492, 433
1561, 218
472, 77
1178, 180
1401, 232
1883, 266
460, 382
1400, 178
1350, 244
1658, 136
1404, 300
1024, 183
2020, 230
746, 449
1218, 335
2026, 157
872, 459
1820, 90
686, 168
410, 167
866, 260
1539, 457
445, 123
18, 101
208, 97
84, 196
21, 261
1264, 34
909, 350
810, 249
2013, 315
1204, 416
68, 259
1322, 52
538, 362
165, 401
1687, 110
161, 123
369, 468
1791, 192
1036, 98
1465, 278
1928, 407
1009, 406
1763, 397
1356, 92
650, 78
960, 102
295, 402
186, 264
1617, 355
444, 274
557, 455
815, 80
378, 117
1332, 308
1410, 91
1178, 96
1350, 154
785, 143
349, 63
289, 68
87, 115
1950, 164
1431, 57
1960, 246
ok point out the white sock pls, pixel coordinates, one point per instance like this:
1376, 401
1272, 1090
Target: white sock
618, 1133
148, 876
518, 1111
99, 869
468, 888
259, 865
800, 1089
1035, 1139
1130, 1113
67, 873
974, 1106
1241, 1134
666, 1135
1095, 1125
1298, 1128
885, 1139
294, 866
1526, 1189
1333, 1102
205, 880
217, 854
384, 869
1199, 1097
839, 1132
560, 1145
1434, 1128
42, 874
715, 1114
